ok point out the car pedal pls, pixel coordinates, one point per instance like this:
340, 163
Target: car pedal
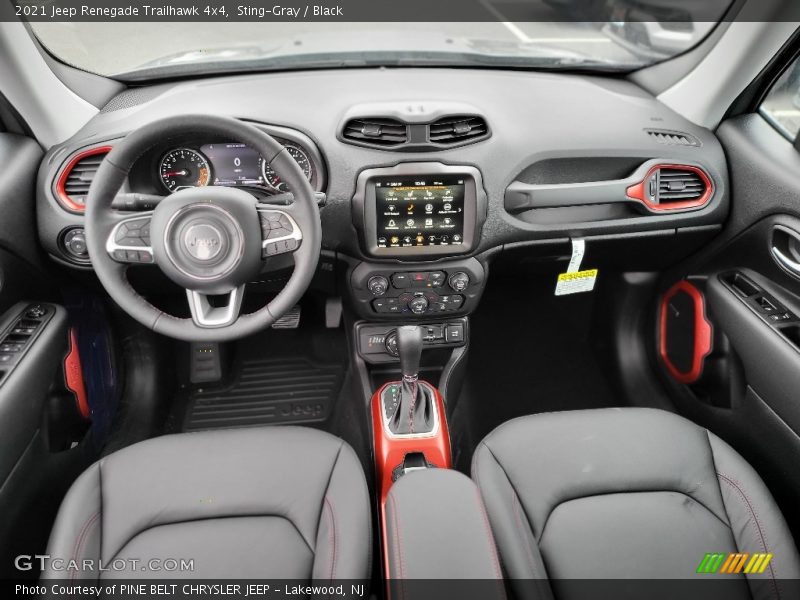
333, 312
206, 365
291, 320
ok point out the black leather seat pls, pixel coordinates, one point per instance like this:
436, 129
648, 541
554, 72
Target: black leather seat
625, 493
273, 502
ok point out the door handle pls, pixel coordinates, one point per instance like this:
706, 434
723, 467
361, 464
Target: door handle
785, 247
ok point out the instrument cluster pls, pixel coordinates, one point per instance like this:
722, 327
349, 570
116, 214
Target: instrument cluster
230, 164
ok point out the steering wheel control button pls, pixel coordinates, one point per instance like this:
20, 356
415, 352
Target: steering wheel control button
459, 281
378, 285
279, 232
129, 242
279, 247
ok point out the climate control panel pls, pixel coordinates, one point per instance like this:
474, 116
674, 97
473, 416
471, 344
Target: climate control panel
453, 288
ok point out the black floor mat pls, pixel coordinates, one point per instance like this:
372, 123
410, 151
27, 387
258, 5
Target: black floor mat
267, 391
530, 352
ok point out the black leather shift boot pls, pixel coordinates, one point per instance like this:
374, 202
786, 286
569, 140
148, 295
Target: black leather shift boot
412, 412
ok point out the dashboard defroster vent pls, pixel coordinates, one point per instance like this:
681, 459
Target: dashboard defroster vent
457, 130
673, 138
76, 178
381, 133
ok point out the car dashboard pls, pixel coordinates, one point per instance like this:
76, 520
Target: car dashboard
428, 174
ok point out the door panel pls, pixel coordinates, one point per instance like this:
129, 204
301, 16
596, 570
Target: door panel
748, 390
32, 351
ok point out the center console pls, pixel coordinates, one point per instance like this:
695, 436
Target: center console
433, 522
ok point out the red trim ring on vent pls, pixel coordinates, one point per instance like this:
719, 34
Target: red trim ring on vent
637, 192
61, 191
703, 333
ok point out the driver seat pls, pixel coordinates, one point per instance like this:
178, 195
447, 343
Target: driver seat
270, 502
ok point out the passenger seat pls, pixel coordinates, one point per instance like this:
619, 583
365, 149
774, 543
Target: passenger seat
626, 494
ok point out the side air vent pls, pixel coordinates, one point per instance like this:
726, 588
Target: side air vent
458, 130
673, 138
380, 133
675, 185
77, 176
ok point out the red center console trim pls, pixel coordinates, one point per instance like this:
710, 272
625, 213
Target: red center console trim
390, 450
73, 374
703, 333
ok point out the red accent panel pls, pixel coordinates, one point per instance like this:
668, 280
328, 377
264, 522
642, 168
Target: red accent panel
390, 452
74, 375
703, 333
637, 191
61, 191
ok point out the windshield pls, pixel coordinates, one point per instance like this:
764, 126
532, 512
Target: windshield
629, 36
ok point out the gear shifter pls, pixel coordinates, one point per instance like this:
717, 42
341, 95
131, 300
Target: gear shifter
409, 347
413, 413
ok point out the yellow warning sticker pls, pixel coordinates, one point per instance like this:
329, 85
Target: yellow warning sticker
577, 282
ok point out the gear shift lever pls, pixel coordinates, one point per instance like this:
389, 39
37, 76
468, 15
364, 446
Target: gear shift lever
409, 347
413, 413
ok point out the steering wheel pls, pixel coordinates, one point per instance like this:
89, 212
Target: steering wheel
211, 241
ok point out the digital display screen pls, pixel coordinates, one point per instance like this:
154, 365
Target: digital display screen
233, 164
420, 211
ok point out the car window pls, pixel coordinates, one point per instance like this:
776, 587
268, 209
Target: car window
781, 107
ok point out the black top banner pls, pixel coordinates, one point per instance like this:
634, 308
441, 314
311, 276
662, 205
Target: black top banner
396, 10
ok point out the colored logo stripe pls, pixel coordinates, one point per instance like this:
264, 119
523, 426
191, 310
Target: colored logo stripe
735, 562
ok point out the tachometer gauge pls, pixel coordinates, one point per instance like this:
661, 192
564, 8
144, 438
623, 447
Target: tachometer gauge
184, 167
273, 180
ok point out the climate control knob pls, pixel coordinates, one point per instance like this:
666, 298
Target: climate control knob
378, 285
459, 281
418, 305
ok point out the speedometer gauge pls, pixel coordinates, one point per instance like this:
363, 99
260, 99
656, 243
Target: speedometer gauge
273, 180
184, 167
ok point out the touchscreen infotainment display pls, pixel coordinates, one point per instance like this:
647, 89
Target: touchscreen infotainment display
419, 211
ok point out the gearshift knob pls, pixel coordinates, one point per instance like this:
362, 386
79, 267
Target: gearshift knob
409, 347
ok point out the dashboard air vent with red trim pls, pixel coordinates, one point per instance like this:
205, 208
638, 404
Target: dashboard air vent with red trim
76, 177
673, 187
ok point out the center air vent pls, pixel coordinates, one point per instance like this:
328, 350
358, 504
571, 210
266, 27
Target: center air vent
77, 176
457, 130
396, 134
380, 133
